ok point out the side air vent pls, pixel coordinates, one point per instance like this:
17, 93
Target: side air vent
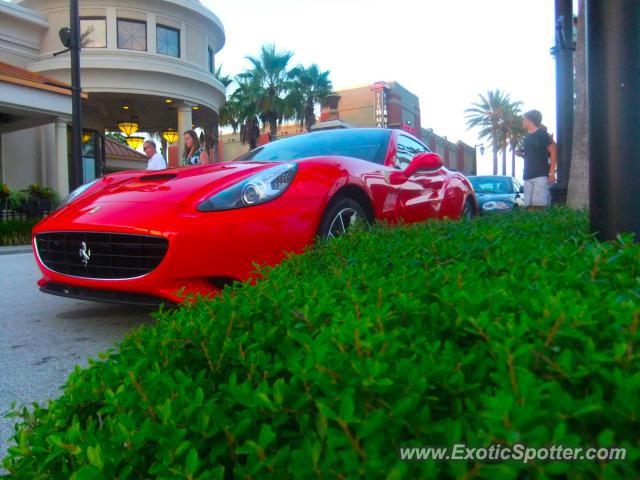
158, 177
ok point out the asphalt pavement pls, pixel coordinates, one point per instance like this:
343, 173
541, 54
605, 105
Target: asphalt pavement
43, 337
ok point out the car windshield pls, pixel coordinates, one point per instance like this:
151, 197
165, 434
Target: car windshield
365, 144
491, 184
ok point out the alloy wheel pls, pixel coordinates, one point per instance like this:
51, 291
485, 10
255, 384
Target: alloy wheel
342, 221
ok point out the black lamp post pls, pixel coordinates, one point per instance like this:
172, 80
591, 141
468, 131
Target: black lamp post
563, 51
613, 82
76, 90
70, 38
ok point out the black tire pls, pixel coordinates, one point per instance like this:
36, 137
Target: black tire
468, 212
339, 216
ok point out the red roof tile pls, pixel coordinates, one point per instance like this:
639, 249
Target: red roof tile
117, 151
12, 74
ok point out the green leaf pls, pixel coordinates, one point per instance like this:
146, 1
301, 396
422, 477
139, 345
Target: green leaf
587, 409
267, 436
321, 425
402, 406
346, 406
192, 462
326, 411
95, 457
279, 388
87, 472
606, 438
199, 397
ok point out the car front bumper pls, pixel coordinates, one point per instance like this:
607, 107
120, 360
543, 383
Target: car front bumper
205, 249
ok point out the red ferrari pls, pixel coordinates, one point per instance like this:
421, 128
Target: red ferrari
147, 237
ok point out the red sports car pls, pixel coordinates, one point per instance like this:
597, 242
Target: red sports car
149, 237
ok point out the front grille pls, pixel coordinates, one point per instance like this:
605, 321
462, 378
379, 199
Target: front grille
106, 255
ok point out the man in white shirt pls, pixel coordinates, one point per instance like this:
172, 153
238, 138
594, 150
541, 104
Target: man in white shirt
156, 162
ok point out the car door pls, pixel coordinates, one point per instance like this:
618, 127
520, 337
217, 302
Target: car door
421, 195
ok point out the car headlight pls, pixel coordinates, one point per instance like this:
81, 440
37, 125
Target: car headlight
260, 188
492, 205
77, 192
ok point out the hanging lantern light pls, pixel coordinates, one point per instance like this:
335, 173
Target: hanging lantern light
170, 135
128, 128
135, 141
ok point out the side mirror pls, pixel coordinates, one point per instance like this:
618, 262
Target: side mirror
424, 162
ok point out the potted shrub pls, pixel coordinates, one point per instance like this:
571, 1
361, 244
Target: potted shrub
4, 195
10, 202
39, 199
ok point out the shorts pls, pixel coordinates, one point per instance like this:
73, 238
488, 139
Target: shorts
536, 192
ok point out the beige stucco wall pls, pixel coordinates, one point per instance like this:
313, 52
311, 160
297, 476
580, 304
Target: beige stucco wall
232, 150
20, 32
26, 156
357, 106
196, 46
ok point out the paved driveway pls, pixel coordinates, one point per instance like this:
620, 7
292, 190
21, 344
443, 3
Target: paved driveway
43, 337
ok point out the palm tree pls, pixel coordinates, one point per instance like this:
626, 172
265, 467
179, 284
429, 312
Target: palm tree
503, 142
515, 133
229, 115
578, 189
488, 114
226, 80
211, 134
272, 80
246, 99
312, 86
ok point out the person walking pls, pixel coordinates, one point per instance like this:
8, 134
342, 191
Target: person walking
156, 160
540, 157
193, 153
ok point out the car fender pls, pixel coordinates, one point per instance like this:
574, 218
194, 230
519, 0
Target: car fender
458, 190
329, 176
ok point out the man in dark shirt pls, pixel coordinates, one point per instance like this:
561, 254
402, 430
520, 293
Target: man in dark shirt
539, 162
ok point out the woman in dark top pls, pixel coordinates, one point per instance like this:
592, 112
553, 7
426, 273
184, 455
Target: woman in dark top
193, 153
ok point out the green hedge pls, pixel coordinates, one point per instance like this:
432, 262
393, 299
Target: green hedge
507, 329
16, 232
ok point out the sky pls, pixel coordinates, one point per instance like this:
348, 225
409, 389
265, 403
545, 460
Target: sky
447, 52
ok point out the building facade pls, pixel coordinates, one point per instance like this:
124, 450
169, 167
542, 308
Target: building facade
456, 156
379, 105
146, 62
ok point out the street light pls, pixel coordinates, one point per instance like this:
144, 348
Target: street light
135, 141
481, 145
170, 135
70, 38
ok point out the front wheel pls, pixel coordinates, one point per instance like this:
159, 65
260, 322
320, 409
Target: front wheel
468, 212
339, 216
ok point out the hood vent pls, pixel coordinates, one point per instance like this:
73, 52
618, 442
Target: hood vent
158, 177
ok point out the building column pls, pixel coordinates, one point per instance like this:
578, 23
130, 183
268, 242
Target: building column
112, 28
185, 120
151, 33
61, 164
